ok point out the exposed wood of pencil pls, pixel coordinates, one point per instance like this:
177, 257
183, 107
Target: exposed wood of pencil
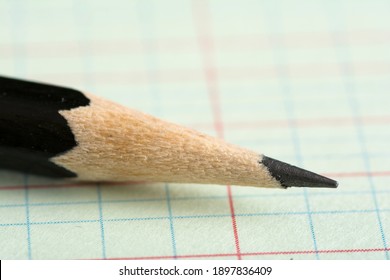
116, 143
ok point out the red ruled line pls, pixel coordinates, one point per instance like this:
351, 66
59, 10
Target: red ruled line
234, 223
249, 42
335, 251
329, 121
359, 174
226, 74
126, 183
202, 19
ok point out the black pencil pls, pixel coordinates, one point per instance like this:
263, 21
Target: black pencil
64, 133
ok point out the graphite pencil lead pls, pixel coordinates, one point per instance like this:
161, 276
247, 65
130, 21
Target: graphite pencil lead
292, 176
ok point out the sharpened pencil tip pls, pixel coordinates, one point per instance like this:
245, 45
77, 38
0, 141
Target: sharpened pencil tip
292, 176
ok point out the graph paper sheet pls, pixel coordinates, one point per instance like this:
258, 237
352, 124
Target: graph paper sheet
305, 82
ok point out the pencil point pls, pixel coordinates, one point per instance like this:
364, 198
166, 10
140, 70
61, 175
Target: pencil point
292, 176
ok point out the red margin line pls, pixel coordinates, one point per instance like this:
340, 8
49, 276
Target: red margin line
202, 19
331, 251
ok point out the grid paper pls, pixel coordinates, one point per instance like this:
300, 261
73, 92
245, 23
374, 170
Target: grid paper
306, 82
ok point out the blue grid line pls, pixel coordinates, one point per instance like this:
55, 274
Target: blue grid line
349, 88
323, 212
26, 200
212, 216
146, 19
289, 107
100, 206
350, 91
238, 196
81, 19
279, 58
13, 224
136, 219
18, 16
64, 222
172, 229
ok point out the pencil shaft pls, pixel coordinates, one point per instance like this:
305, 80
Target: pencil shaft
60, 132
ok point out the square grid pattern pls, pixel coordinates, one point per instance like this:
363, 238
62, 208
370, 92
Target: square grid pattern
306, 82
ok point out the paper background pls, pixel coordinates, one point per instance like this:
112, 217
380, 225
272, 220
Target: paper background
306, 82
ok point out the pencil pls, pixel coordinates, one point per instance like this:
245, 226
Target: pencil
60, 132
